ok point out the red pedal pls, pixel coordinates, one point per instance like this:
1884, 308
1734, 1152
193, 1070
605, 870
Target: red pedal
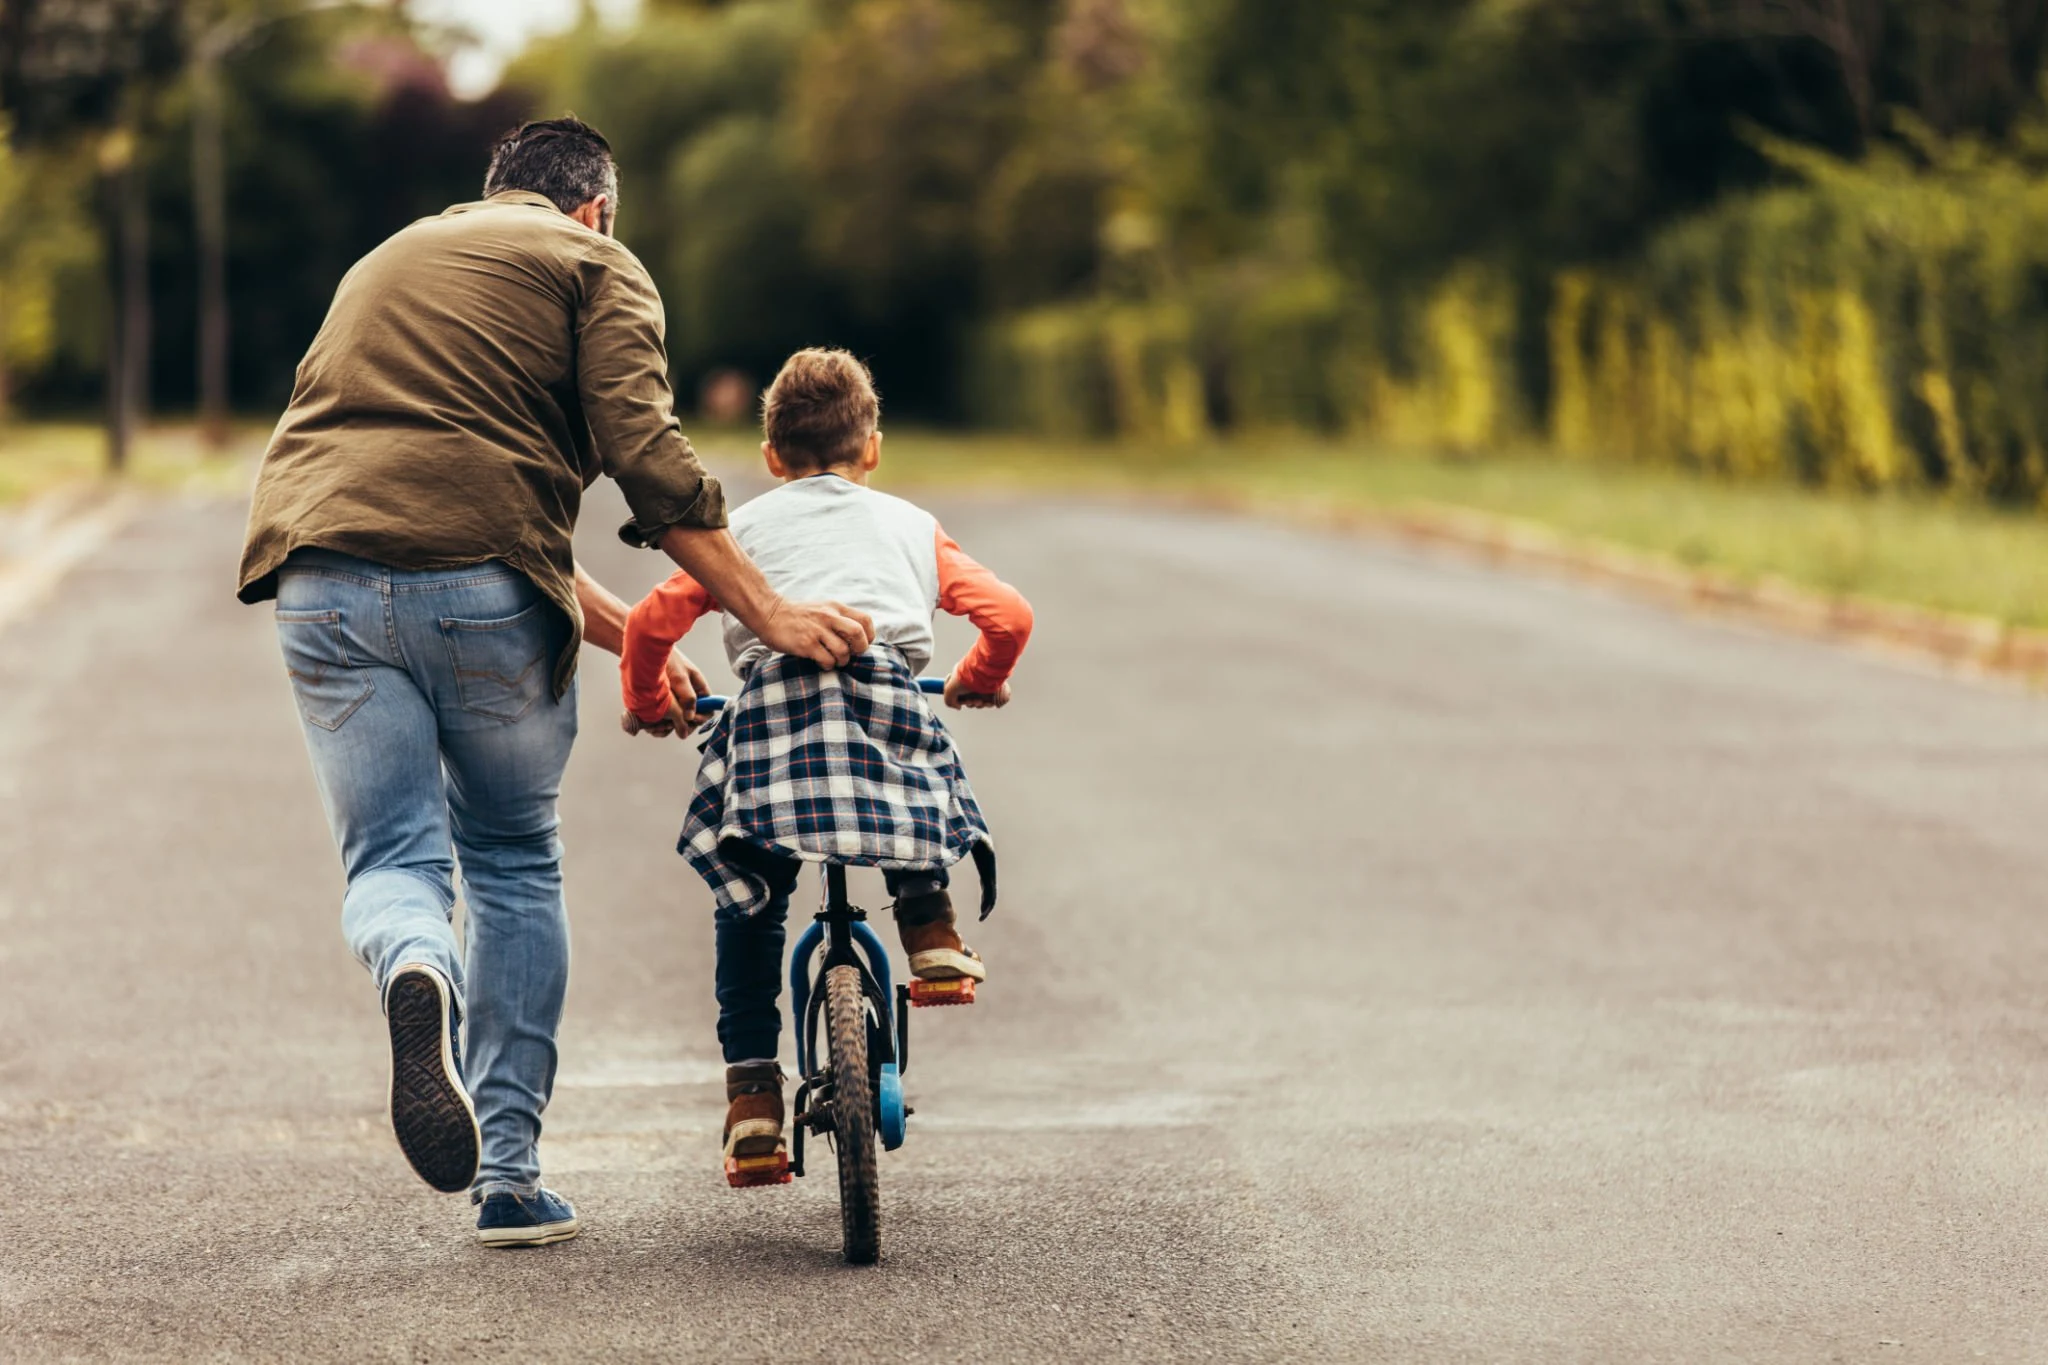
958, 991
745, 1172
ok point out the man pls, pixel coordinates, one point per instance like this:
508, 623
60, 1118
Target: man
412, 519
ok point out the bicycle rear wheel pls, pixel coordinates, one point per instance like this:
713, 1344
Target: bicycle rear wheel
853, 1115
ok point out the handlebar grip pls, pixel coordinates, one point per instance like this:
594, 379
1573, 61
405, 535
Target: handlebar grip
706, 705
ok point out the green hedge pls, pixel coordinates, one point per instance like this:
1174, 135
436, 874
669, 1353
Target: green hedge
1873, 328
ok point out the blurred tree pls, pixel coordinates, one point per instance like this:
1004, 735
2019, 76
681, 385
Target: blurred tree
44, 234
893, 174
743, 289
712, 197
338, 129
1078, 156
266, 160
65, 65
212, 37
1568, 129
213, 30
129, 356
73, 74
871, 172
654, 88
899, 112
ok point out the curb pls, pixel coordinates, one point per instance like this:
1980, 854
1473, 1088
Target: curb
45, 539
1976, 645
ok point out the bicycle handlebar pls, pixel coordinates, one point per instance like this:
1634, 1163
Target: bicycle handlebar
706, 705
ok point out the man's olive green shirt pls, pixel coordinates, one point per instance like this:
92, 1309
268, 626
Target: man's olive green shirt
475, 374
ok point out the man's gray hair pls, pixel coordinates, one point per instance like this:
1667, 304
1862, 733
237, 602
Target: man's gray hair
564, 159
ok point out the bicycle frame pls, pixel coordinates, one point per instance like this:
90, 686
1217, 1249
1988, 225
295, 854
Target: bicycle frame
841, 928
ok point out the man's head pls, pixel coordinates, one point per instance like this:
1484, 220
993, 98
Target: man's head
563, 159
821, 413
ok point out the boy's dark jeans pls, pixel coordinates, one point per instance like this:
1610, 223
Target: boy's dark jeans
750, 951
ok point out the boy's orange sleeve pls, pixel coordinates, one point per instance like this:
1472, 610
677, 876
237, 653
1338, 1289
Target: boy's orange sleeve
998, 611
660, 619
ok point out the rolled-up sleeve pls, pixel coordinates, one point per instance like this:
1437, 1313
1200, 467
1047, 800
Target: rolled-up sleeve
622, 378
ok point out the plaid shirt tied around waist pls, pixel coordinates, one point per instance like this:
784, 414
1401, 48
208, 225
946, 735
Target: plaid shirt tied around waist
843, 766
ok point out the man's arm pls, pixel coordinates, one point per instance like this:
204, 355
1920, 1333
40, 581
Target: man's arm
604, 612
826, 633
622, 380
622, 376
604, 625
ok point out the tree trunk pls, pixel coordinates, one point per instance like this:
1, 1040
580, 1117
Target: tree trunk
1854, 29
209, 203
135, 319
128, 299
116, 414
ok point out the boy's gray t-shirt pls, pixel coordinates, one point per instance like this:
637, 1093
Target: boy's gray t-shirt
826, 538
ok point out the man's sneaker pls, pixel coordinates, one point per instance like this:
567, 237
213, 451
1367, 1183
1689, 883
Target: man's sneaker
933, 943
755, 1150
525, 1220
430, 1111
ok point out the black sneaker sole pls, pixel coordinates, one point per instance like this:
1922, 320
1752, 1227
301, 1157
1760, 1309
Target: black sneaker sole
430, 1112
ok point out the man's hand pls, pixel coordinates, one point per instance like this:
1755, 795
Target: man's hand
685, 685
960, 699
826, 633
660, 729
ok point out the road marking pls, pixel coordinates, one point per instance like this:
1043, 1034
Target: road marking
1163, 1110
630, 1073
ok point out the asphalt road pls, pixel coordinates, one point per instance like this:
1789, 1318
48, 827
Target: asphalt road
1399, 961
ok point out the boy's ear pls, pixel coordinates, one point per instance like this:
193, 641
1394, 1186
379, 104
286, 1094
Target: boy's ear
776, 468
871, 453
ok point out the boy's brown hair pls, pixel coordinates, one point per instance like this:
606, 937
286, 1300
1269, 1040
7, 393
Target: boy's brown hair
820, 409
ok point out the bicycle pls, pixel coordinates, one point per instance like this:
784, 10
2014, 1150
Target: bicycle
851, 1092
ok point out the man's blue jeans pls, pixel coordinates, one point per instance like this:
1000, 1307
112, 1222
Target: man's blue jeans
429, 710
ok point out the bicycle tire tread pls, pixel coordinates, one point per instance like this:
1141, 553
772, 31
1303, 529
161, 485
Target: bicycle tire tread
853, 1115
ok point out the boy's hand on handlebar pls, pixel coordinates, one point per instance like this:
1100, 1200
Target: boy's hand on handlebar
960, 699
826, 633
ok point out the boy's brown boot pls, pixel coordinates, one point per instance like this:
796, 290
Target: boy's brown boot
753, 1115
933, 943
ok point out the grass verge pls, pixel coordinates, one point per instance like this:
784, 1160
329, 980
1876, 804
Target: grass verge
1921, 552
1918, 552
40, 457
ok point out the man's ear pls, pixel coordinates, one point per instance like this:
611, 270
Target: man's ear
593, 215
871, 454
776, 468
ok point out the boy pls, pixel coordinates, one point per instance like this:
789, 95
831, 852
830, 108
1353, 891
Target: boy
809, 765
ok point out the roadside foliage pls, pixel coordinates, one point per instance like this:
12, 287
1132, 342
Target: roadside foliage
1790, 241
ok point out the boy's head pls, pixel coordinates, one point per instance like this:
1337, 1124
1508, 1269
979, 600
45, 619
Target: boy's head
821, 413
